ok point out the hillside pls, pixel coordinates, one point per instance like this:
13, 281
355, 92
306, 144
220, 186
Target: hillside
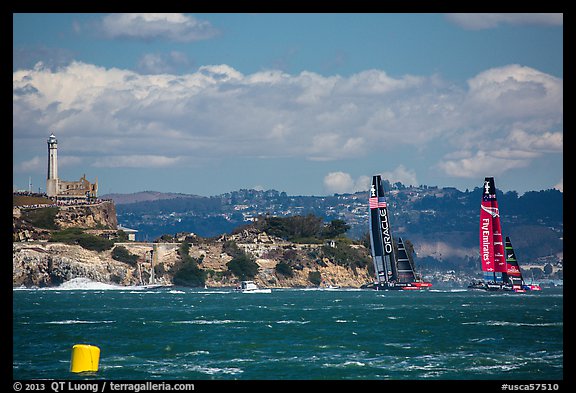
144, 196
53, 244
302, 265
56, 244
441, 222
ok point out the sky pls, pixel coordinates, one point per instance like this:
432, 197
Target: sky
309, 104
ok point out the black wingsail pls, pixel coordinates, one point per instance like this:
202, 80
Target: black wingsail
405, 265
513, 271
393, 269
380, 236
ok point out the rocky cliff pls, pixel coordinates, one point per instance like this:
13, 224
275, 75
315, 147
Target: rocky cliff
49, 264
100, 215
36, 261
37, 222
40, 263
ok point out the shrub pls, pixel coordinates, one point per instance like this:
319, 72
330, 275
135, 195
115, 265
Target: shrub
121, 253
284, 269
344, 255
189, 274
231, 248
315, 278
43, 217
243, 267
94, 243
77, 236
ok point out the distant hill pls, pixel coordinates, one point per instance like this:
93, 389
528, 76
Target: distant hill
441, 222
144, 196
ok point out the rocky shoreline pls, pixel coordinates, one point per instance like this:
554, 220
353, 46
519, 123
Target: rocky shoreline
47, 264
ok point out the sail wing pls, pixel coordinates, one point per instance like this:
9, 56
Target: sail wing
376, 246
405, 267
491, 245
512, 267
486, 237
385, 229
380, 236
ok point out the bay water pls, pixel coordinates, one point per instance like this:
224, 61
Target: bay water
179, 333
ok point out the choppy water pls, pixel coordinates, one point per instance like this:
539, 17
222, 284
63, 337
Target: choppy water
195, 334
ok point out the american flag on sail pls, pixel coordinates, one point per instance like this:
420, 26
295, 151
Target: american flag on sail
376, 202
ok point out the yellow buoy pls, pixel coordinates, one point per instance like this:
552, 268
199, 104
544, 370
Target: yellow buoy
84, 358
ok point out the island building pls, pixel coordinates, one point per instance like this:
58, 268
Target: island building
61, 189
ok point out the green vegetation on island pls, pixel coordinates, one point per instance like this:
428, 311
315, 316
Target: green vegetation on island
188, 273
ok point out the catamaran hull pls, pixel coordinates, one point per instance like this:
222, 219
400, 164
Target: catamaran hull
502, 287
400, 286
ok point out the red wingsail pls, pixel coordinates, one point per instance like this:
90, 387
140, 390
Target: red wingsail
491, 243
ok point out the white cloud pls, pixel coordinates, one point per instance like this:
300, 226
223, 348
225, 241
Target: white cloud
175, 27
401, 174
515, 92
343, 183
483, 162
338, 182
478, 21
541, 142
39, 164
217, 112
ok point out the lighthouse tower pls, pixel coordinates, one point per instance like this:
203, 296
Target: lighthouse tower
52, 178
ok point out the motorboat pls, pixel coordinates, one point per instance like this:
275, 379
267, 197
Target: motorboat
251, 287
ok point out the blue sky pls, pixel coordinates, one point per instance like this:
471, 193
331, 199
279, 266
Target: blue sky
310, 104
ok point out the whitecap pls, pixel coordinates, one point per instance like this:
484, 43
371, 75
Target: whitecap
75, 321
207, 322
517, 324
199, 352
215, 370
85, 284
293, 322
348, 363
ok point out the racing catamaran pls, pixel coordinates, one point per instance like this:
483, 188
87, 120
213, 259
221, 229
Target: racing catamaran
393, 268
500, 268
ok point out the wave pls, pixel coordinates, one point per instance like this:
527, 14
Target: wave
289, 322
75, 321
86, 284
508, 323
80, 283
207, 322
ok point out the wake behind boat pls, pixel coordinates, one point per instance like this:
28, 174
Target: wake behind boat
394, 269
499, 265
251, 287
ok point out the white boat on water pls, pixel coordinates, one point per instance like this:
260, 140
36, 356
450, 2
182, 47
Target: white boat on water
251, 287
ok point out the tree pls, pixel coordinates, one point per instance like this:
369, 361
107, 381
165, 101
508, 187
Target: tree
121, 253
243, 267
284, 269
315, 278
335, 228
189, 274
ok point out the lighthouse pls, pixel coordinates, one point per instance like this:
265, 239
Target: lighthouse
52, 178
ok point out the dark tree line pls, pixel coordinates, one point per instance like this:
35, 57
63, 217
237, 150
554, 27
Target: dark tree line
300, 228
